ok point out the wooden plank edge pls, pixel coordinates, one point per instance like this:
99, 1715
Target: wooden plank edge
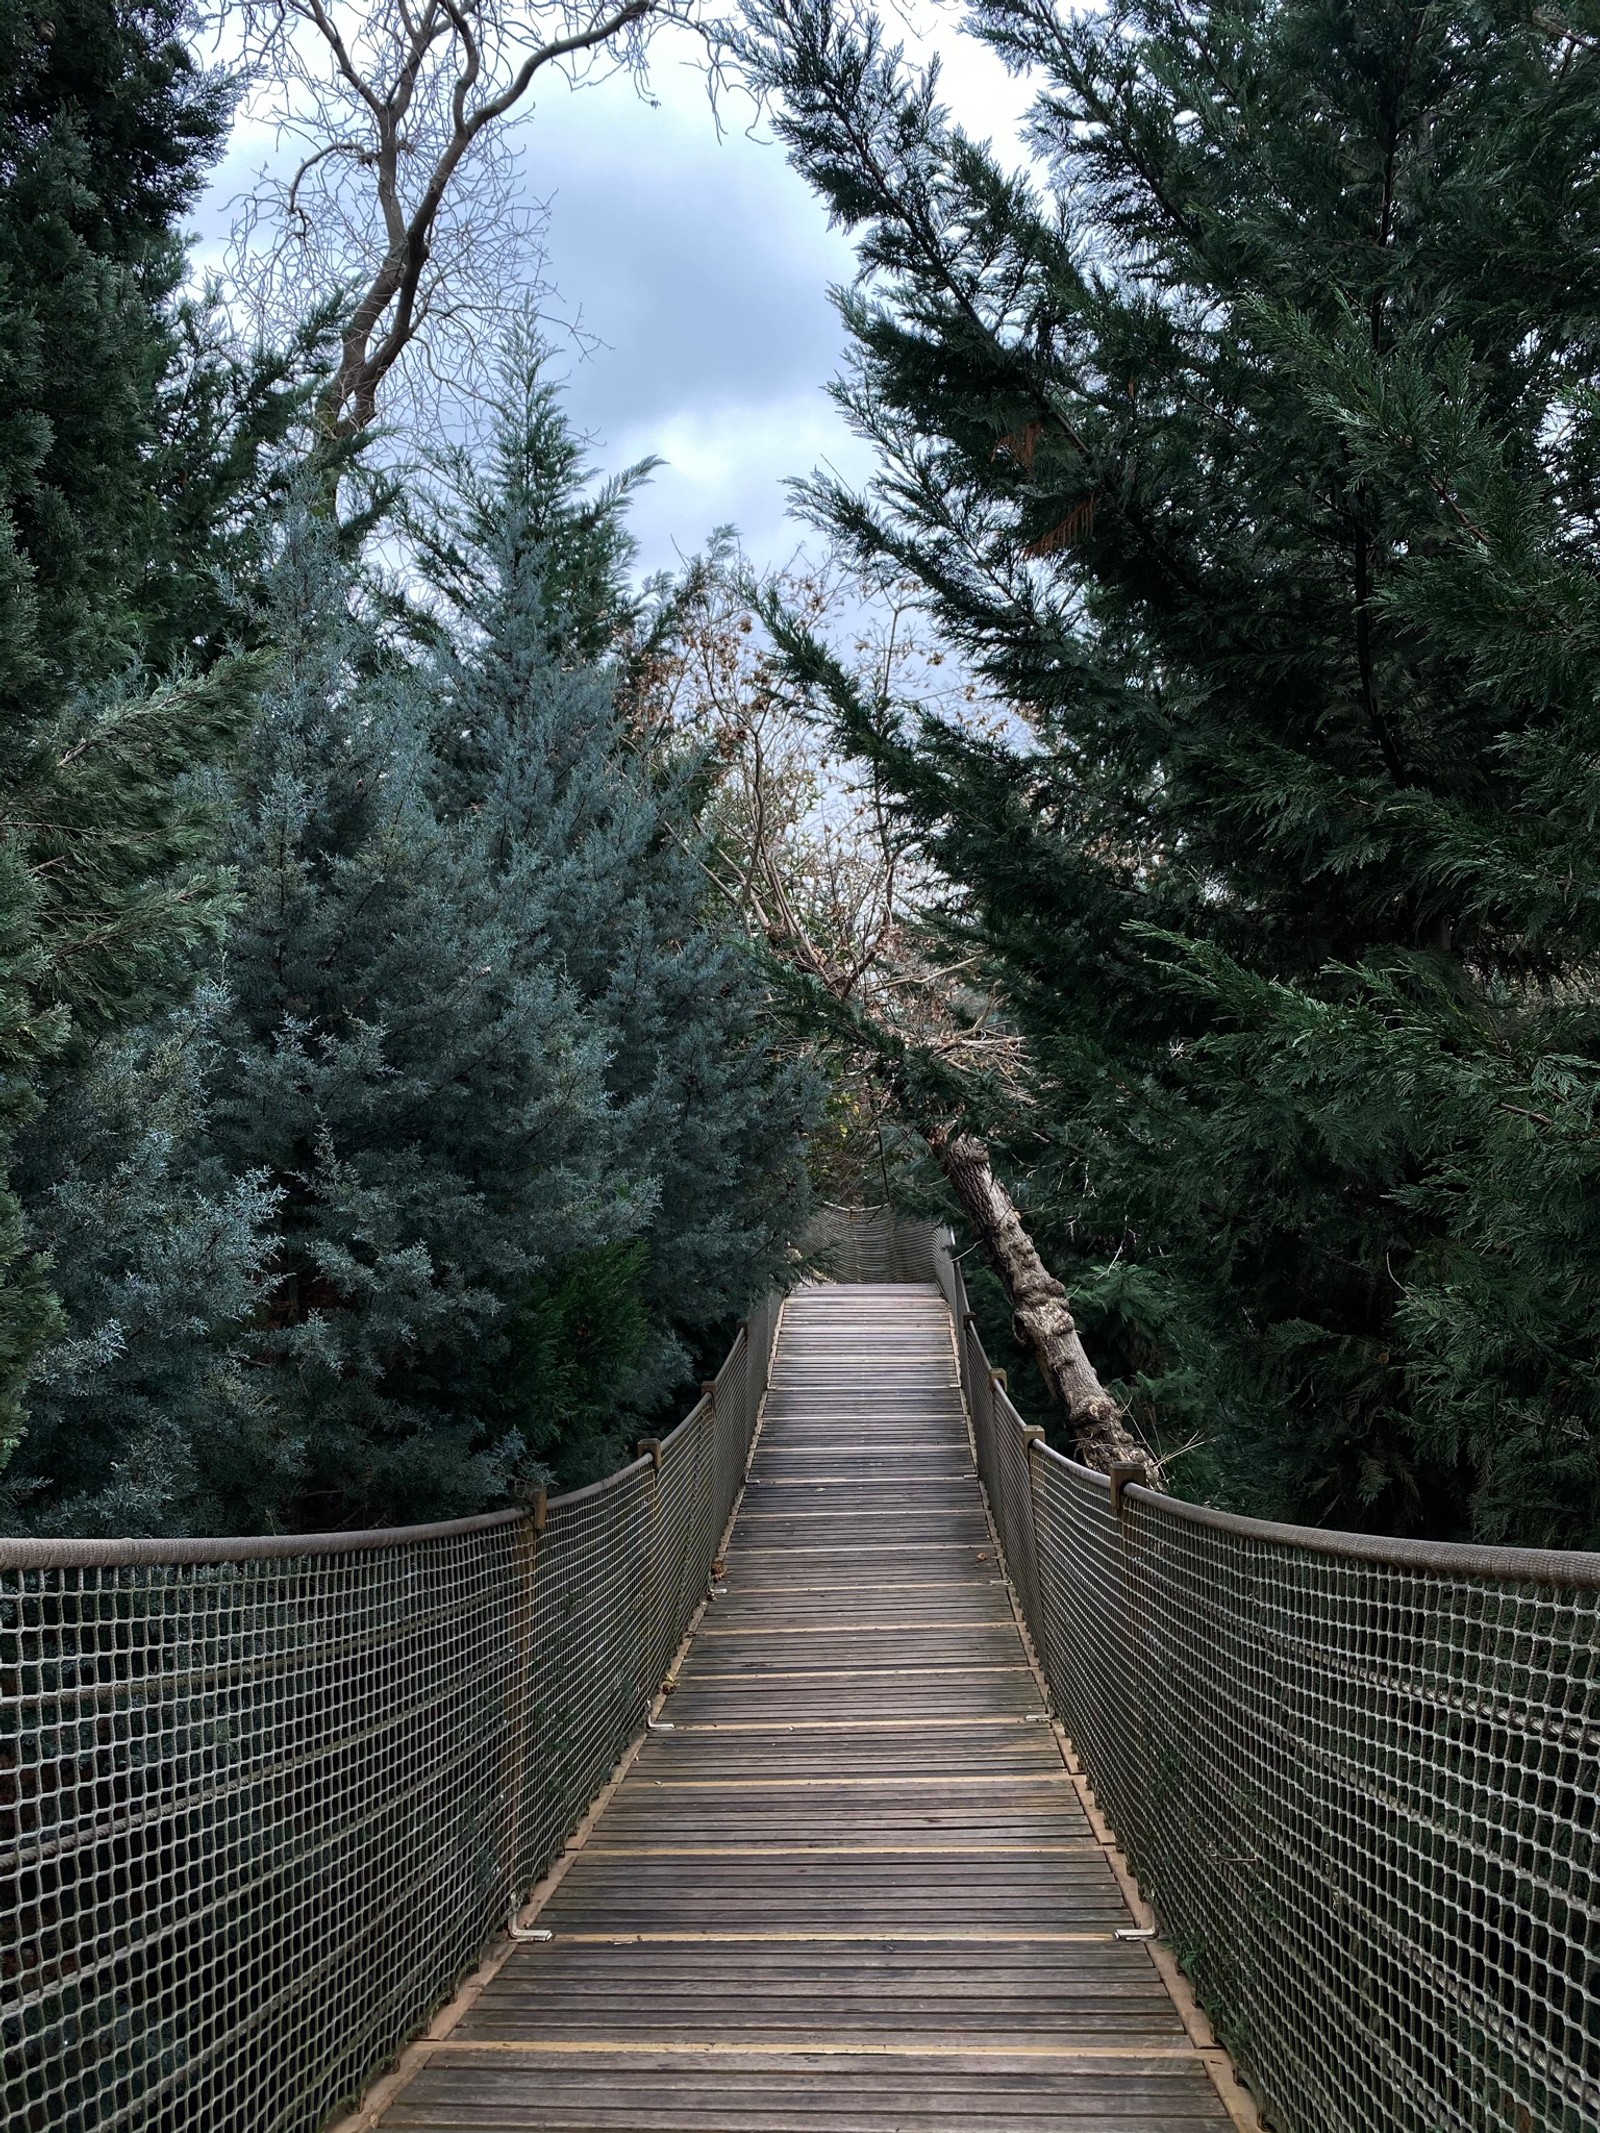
389, 2084
1163, 2055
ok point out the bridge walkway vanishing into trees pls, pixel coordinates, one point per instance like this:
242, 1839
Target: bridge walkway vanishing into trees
853, 1887
267, 1803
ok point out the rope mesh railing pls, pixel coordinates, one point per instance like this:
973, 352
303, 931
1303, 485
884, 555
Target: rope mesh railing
856, 1244
262, 1803
1359, 1779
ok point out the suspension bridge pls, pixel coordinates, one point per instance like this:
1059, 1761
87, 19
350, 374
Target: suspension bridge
950, 1786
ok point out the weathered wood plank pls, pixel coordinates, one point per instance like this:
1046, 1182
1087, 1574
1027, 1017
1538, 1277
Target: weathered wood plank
851, 1890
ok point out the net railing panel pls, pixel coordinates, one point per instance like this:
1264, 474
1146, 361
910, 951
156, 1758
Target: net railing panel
852, 1244
1359, 1780
263, 1803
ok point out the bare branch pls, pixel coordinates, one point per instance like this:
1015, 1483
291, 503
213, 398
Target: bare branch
819, 867
405, 192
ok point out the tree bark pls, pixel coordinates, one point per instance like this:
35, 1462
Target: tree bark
1041, 1316
1040, 1313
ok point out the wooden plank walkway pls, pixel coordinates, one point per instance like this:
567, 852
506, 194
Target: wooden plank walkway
852, 1890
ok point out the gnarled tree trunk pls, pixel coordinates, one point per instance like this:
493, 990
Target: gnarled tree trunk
1041, 1315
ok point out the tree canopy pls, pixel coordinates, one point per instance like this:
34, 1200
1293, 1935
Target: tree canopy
429, 951
134, 450
1244, 443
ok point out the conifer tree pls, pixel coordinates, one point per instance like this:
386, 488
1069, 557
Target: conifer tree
131, 454
142, 1416
1246, 448
407, 1069
595, 831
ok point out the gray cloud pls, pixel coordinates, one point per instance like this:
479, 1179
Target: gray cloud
696, 268
701, 267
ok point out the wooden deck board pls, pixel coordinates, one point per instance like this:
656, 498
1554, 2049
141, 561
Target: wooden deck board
852, 1889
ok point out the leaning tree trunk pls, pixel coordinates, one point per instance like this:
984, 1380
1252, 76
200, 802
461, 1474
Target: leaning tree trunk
1041, 1315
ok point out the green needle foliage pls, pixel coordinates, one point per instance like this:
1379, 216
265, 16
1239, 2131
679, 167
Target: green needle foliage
406, 1066
479, 1129
1246, 446
592, 819
141, 1417
133, 457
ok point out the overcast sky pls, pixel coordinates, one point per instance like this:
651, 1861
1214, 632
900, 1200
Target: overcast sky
704, 267
701, 267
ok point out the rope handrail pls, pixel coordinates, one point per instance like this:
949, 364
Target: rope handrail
25, 1552
264, 1800
1358, 1777
1554, 1566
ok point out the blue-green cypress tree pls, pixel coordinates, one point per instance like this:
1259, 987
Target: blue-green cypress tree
160, 1259
594, 830
404, 1063
477, 1149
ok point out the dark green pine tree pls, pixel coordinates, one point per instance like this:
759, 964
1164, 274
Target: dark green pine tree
593, 826
1246, 446
132, 455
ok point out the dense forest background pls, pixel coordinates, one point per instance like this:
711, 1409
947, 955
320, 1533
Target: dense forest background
441, 970
392, 1121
